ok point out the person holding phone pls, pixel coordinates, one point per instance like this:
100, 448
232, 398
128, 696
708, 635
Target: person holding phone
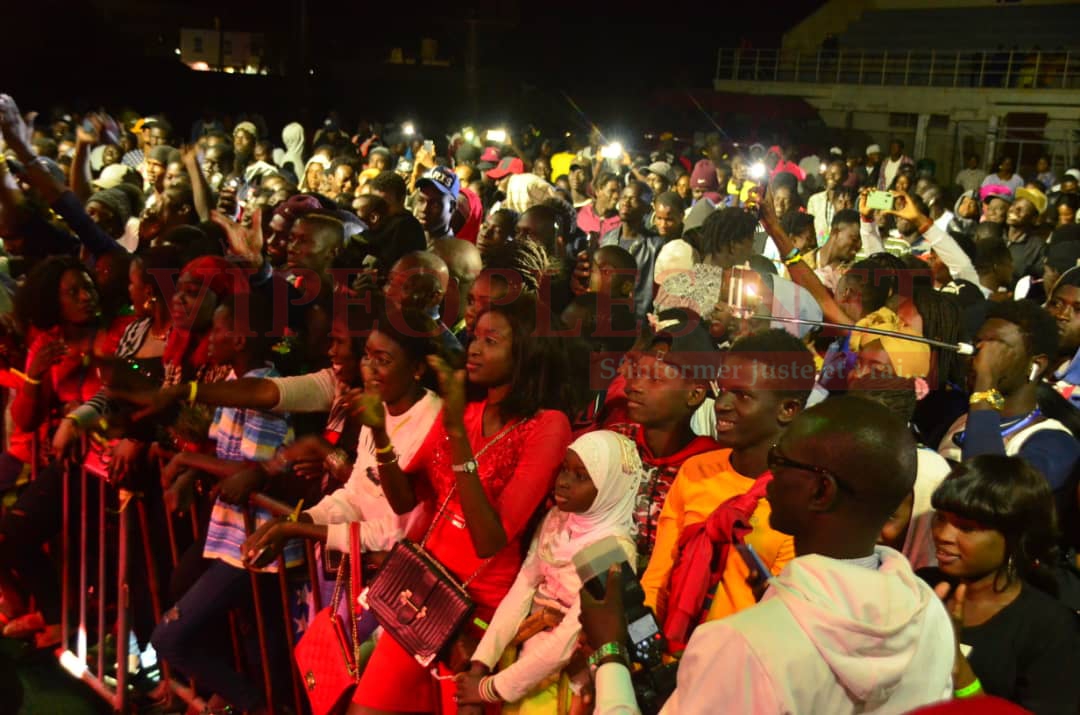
861, 630
594, 499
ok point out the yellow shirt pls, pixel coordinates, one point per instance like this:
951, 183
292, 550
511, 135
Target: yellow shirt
742, 192
703, 483
560, 164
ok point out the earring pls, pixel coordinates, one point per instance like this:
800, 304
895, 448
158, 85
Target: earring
149, 303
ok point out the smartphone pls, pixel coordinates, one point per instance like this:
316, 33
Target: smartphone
429, 146
880, 200
592, 564
753, 561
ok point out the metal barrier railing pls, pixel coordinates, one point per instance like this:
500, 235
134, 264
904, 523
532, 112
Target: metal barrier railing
913, 68
112, 688
109, 677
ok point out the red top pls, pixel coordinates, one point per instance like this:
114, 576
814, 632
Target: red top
517, 473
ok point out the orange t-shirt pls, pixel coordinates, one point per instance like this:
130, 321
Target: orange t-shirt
704, 483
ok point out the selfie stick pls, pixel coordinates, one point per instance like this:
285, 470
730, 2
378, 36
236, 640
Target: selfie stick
961, 348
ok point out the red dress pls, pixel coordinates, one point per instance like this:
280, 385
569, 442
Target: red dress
517, 473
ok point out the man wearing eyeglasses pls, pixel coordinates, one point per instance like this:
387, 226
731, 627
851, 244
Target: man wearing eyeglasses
847, 627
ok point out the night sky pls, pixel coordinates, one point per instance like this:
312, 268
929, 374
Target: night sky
606, 57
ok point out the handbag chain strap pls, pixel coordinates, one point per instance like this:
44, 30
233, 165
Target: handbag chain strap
450, 494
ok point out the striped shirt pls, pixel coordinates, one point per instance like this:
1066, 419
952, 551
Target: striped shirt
245, 435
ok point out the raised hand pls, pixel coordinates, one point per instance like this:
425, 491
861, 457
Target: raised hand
451, 389
247, 243
367, 406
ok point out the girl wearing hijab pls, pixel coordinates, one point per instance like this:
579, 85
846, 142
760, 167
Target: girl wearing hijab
594, 499
966, 215
292, 158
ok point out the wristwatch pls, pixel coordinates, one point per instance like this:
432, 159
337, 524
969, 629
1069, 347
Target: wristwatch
614, 649
469, 466
991, 396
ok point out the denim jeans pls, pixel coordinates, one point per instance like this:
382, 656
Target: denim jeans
182, 639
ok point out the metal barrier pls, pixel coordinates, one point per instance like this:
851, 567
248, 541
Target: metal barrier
112, 688
915, 68
112, 683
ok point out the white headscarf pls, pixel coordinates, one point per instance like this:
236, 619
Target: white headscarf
526, 190
293, 136
615, 468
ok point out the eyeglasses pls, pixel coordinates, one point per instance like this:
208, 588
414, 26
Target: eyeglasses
776, 460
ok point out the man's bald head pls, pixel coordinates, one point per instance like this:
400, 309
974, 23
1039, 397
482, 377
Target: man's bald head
418, 279
870, 456
464, 263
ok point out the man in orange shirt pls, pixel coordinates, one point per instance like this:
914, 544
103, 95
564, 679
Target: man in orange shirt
718, 498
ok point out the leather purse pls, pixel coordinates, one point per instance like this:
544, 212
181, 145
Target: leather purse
328, 654
419, 602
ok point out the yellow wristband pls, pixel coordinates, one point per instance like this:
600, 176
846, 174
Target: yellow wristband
25, 378
793, 260
296, 512
193, 389
384, 450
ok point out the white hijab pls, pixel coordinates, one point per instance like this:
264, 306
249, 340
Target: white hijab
293, 136
615, 468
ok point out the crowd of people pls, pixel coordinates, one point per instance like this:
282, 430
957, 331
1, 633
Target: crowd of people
825, 405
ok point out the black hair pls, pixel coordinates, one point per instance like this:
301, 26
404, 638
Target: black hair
1010, 496
159, 261
349, 161
509, 215
617, 337
114, 297
565, 217
546, 372
1038, 327
671, 200
388, 182
879, 273
990, 252
549, 216
1070, 200
524, 258
37, 301
623, 261
259, 319
795, 222
943, 320
848, 191
896, 393
413, 330
790, 352
899, 142
724, 227
786, 180
845, 216
604, 178
989, 230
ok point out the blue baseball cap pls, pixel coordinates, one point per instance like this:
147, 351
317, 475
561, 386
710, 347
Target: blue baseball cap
442, 179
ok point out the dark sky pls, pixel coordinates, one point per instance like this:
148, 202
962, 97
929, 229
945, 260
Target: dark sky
606, 56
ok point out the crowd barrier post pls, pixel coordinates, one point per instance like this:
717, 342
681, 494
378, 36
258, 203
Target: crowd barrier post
75, 662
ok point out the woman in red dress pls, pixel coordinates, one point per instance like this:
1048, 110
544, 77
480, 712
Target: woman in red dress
492, 461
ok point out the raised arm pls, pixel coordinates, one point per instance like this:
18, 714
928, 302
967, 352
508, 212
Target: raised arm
200, 190
801, 273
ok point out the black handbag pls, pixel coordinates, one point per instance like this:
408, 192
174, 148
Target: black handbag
417, 600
